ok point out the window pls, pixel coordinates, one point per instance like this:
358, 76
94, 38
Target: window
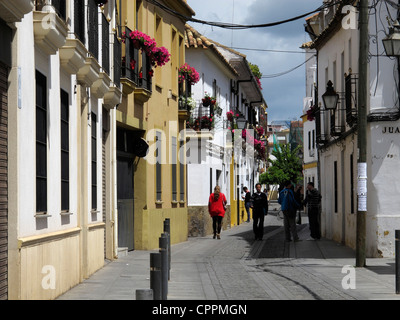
93, 28
158, 38
181, 51
174, 169
158, 166
351, 184
64, 151
41, 142
94, 161
182, 171
335, 185
313, 139
309, 140
79, 18
138, 21
174, 62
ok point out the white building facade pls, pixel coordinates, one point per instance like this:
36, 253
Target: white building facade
337, 45
67, 86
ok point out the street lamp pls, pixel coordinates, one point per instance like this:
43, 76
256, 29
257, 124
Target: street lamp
241, 122
330, 97
392, 42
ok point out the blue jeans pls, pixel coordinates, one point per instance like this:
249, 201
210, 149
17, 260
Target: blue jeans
247, 206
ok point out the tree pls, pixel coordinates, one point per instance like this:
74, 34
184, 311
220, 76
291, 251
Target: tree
287, 166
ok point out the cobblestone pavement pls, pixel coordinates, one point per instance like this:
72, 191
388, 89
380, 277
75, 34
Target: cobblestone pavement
239, 268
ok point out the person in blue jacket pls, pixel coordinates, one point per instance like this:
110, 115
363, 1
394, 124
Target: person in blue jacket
289, 205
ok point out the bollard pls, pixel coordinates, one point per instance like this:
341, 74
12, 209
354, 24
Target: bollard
397, 256
163, 241
167, 230
144, 294
155, 275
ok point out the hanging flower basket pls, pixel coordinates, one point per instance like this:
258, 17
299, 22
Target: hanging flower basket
142, 41
208, 101
160, 56
189, 73
311, 113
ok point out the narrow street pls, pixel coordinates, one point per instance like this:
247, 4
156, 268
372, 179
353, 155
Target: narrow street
239, 268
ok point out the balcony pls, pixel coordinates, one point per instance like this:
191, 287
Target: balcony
89, 73
73, 56
14, 11
101, 85
50, 31
112, 98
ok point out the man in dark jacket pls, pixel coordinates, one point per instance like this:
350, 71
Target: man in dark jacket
259, 204
288, 205
313, 200
247, 202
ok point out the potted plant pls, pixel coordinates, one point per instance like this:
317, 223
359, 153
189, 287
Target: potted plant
311, 113
186, 72
208, 100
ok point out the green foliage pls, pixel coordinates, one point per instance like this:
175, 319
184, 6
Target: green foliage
256, 71
287, 166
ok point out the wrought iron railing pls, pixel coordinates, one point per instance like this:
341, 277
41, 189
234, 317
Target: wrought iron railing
105, 44
117, 61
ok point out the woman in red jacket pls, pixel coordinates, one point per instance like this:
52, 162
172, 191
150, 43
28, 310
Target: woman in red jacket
217, 208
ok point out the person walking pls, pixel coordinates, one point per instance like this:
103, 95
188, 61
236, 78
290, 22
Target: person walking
288, 205
298, 195
247, 202
216, 208
313, 201
259, 204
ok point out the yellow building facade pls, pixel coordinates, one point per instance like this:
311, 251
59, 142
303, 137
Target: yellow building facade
149, 114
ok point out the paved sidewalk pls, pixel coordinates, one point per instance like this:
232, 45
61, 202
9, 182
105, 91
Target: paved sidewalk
239, 268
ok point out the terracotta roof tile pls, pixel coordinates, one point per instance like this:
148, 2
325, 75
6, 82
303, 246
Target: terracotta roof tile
193, 39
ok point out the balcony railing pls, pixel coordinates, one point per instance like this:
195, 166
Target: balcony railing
105, 44
117, 61
351, 98
79, 20
93, 28
136, 65
130, 65
185, 92
338, 125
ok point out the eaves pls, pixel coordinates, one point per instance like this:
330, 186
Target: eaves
333, 27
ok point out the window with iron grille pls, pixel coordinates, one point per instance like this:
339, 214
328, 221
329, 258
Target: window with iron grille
41, 142
60, 7
181, 171
158, 166
64, 151
93, 29
79, 20
145, 79
130, 68
105, 40
174, 169
117, 61
94, 161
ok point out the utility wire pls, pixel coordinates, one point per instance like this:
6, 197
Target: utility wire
269, 50
241, 26
286, 72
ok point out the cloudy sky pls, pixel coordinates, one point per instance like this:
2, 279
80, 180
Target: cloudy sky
284, 95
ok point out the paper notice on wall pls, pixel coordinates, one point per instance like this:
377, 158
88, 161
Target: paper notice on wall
362, 187
362, 170
362, 203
